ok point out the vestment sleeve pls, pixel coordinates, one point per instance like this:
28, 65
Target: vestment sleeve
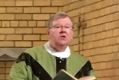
20, 71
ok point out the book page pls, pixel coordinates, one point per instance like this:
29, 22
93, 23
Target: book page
88, 78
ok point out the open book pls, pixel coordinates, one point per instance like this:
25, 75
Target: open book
64, 75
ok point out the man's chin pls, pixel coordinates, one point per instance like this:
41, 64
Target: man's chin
63, 43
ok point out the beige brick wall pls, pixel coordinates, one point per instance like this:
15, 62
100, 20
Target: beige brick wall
99, 37
23, 25
24, 21
4, 69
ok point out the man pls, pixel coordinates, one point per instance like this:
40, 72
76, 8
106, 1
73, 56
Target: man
43, 62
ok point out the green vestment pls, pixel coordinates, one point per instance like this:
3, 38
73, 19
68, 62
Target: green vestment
21, 71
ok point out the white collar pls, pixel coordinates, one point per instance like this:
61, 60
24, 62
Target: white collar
64, 54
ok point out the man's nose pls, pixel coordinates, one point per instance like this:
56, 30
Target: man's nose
62, 28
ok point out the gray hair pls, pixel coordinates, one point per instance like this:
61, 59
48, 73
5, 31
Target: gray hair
57, 16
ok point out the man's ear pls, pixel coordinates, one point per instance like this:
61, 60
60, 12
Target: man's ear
48, 31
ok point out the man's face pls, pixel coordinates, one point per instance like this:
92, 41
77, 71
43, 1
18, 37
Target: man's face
61, 32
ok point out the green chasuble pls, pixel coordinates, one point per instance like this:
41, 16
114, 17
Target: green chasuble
21, 71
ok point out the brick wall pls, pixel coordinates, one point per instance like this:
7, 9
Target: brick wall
4, 69
23, 22
99, 34
23, 25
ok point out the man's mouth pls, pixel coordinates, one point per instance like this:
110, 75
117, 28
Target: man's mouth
63, 36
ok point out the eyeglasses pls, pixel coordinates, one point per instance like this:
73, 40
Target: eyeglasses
59, 26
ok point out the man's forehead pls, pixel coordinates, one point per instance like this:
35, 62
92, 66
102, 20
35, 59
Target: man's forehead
63, 20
